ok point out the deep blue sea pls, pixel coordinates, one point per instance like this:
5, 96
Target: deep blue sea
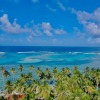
45, 56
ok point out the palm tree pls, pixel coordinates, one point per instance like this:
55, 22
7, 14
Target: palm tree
23, 78
75, 70
31, 68
19, 86
13, 70
77, 86
5, 75
63, 96
87, 70
61, 90
2, 98
39, 71
44, 91
54, 73
96, 77
2, 70
89, 89
21, 68
54, 70
14, 97
67, 70
47, 74
29, 76
8, 87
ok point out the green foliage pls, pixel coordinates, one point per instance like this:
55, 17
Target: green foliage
67, 84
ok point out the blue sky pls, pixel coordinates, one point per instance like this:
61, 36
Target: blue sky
50, 22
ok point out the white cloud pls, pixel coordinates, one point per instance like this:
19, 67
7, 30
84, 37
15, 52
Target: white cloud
96, 15
35, 1
8, 27
78, 33
83, 17
93, 29
33, 30
90, 22
94, 40
61, 6
29, 38
60, 31
47, 28
37, 29
51, 9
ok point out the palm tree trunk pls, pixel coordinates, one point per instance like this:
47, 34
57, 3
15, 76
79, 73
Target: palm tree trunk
28, 97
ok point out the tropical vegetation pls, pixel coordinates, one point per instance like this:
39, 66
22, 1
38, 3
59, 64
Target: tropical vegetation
38, 84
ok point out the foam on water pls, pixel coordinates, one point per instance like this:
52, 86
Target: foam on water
74, 52
89, 53
58, 56
1, 53
30, 60
27, 52
92, 53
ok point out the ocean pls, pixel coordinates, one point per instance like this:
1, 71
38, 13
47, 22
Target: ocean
45, 56
48, 57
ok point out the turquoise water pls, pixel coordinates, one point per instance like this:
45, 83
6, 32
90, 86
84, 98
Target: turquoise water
49, 57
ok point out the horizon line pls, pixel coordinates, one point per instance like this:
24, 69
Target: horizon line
41, 46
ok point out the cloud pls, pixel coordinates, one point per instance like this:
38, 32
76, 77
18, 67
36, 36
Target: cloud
96, 15
94, 40
51, 9
83, 17
29, 38
35, 1
32, 31
8, 27
90, 22
13, 28
60, 31
61, 6
47, 28
78, 33
93, 29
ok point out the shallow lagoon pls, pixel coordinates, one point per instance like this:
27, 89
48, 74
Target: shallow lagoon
49, 57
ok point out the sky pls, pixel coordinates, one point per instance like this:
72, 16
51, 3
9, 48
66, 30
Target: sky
49, 22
